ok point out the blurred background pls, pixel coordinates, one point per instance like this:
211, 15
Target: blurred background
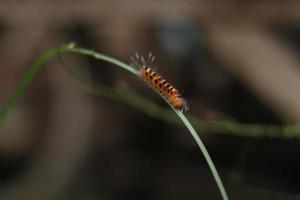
234, 60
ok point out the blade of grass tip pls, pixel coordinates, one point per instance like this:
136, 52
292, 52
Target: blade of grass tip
180, 115
26, 79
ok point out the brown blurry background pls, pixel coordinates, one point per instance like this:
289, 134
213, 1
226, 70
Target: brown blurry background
233, 60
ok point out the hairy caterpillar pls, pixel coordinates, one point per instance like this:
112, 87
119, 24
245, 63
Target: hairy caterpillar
159, 84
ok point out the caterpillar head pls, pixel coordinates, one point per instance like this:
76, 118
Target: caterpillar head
180, 104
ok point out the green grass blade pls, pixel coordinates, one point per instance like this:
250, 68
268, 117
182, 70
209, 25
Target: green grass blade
180, 115
129, 96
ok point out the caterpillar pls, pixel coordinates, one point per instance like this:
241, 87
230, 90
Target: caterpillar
156, 82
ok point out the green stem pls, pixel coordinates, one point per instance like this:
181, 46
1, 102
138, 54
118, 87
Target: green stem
35, 67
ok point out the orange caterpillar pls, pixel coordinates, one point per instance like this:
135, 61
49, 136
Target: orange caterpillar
159, 84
